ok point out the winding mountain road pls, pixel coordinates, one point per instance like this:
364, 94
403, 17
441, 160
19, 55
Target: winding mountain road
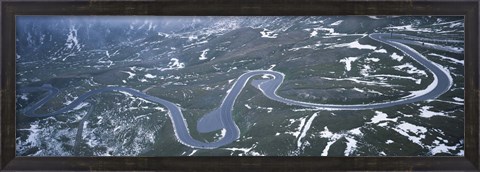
223, 115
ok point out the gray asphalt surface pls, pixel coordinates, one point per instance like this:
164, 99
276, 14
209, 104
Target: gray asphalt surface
268, 87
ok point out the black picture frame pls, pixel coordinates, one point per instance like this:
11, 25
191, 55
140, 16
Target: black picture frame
467, 8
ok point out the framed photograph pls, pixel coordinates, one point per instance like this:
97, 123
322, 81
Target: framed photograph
217, 85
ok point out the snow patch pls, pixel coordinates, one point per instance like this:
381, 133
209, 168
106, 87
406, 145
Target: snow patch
455, 98
336, 23
365, 70
33, 137
268, 34
72, 40
354, 44
374, 17
418, 131
313, 33
409, 28
348, 62
426, 113
357, 80
298, 130
398, 77
453, 60
332, 138
130, 74
81, 105
356, 131
380, 116
380, 51
357, 89
410, 69
174, 64
24, 96
351, 145
305, 129
194, 151
396, 57
150, 76
203, 55
372, 59
442, 148
272, 66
